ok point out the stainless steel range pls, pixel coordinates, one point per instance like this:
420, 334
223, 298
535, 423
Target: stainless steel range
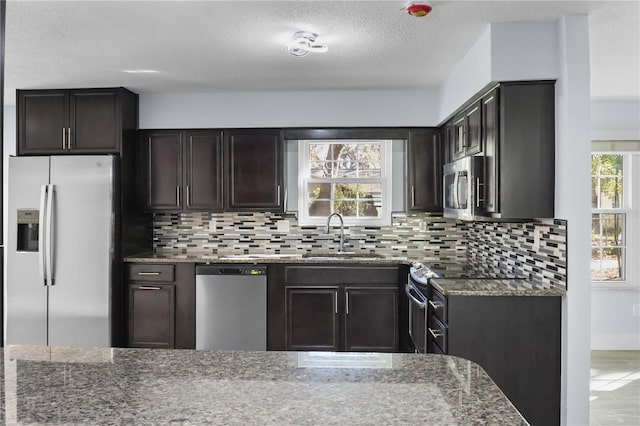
417, 293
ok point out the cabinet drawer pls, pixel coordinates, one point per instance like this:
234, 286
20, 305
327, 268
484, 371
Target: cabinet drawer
438, 305
340, 274
150, 272
437, 333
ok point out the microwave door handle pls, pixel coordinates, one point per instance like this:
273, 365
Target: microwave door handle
41, 234
456, 182
49, 235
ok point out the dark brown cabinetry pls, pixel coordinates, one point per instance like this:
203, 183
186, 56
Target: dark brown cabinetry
160, 305
254, 170
338, 308
184, 169
75, 121
466, 139
490, 127
516, 339
424, 171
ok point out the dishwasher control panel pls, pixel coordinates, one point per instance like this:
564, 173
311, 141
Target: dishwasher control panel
231, 270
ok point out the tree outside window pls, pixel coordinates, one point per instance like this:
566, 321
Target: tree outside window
608, 218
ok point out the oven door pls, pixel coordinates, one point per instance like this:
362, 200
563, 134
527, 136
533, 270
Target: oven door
417, 317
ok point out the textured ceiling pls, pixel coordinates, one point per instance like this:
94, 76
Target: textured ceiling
231, 46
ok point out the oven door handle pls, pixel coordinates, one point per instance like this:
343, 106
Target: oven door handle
407, 289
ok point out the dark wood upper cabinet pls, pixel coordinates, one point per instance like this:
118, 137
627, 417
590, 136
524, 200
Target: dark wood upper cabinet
424, 171
203, 170
75, 121
466, 132
164, 169
490, 127
184, 169
254, 170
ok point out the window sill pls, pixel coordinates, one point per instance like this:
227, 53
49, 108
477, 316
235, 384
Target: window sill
622, 285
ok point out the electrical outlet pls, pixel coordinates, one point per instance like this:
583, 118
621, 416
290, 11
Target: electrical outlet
636, 310
283, 226
212, 224
422, 226
536, 239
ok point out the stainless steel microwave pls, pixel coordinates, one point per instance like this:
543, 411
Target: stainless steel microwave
463, 188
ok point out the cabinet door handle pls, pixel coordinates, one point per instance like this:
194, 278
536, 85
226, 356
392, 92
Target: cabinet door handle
187, 190
64, 138
148, 273
335, 302
434, 305
478, 198
146, 287
434, 334
178, 196
413, 196
69, 146
346, 301
278, 196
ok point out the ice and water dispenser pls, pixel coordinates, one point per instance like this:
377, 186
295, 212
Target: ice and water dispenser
28, 229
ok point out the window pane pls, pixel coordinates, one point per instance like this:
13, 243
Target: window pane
345, 190
370, 152
596, 237
348, 152
612, 264
320, 151
596, 265
346, 169
611, 193
612, 230
370, 207
319, 191
369, 169
345, 208
594, 192
319, 208
369, 190
320, 169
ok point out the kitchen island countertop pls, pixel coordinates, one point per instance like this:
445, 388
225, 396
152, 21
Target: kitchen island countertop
141, 386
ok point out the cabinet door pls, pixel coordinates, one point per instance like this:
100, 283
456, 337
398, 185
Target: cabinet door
459, 128
424, 171
94, 121
42, 121
254, 165
151, 316
164, 170
490, 137
312, 319
473, 143
203, 170
371, 319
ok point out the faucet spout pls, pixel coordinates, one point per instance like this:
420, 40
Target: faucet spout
341, 246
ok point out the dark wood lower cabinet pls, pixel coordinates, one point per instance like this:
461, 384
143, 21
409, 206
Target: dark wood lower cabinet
312, 319
371, 319
161, 305
152, 316
340, 308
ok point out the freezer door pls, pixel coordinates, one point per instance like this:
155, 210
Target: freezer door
82, 237
26, 294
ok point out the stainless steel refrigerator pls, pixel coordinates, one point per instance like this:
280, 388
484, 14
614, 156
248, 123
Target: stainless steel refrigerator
60, 250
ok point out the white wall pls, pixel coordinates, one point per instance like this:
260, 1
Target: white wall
289, 109
615, 119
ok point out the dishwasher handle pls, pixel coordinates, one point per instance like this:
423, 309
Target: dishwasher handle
245, 270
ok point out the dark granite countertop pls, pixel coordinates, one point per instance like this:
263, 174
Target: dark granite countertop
494, 287
57, 385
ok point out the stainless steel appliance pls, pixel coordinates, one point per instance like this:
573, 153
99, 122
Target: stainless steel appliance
463, 188
416, 289
60, 250
231, 307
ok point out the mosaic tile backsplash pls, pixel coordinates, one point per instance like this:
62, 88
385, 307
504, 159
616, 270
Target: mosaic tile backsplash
483, 248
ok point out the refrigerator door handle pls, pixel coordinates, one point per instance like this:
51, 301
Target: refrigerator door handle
41, 233
49, 235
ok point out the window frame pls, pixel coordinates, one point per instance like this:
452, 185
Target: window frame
629, 211
304, 177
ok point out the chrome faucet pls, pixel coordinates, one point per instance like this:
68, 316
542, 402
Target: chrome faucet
341, 246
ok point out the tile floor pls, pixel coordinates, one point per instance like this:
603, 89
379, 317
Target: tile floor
615, 388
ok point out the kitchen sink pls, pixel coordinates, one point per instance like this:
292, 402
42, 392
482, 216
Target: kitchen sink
343, 255
260, 256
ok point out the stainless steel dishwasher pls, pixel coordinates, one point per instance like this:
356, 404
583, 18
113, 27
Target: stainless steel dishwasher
231, 307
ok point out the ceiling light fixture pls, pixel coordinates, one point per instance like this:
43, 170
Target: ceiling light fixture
418, 8
140, 71
304, 43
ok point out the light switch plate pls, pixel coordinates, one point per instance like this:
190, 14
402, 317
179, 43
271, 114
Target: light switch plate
212, 224
283, 225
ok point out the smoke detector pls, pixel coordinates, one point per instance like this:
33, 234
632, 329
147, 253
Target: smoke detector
304, 43
418, 8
